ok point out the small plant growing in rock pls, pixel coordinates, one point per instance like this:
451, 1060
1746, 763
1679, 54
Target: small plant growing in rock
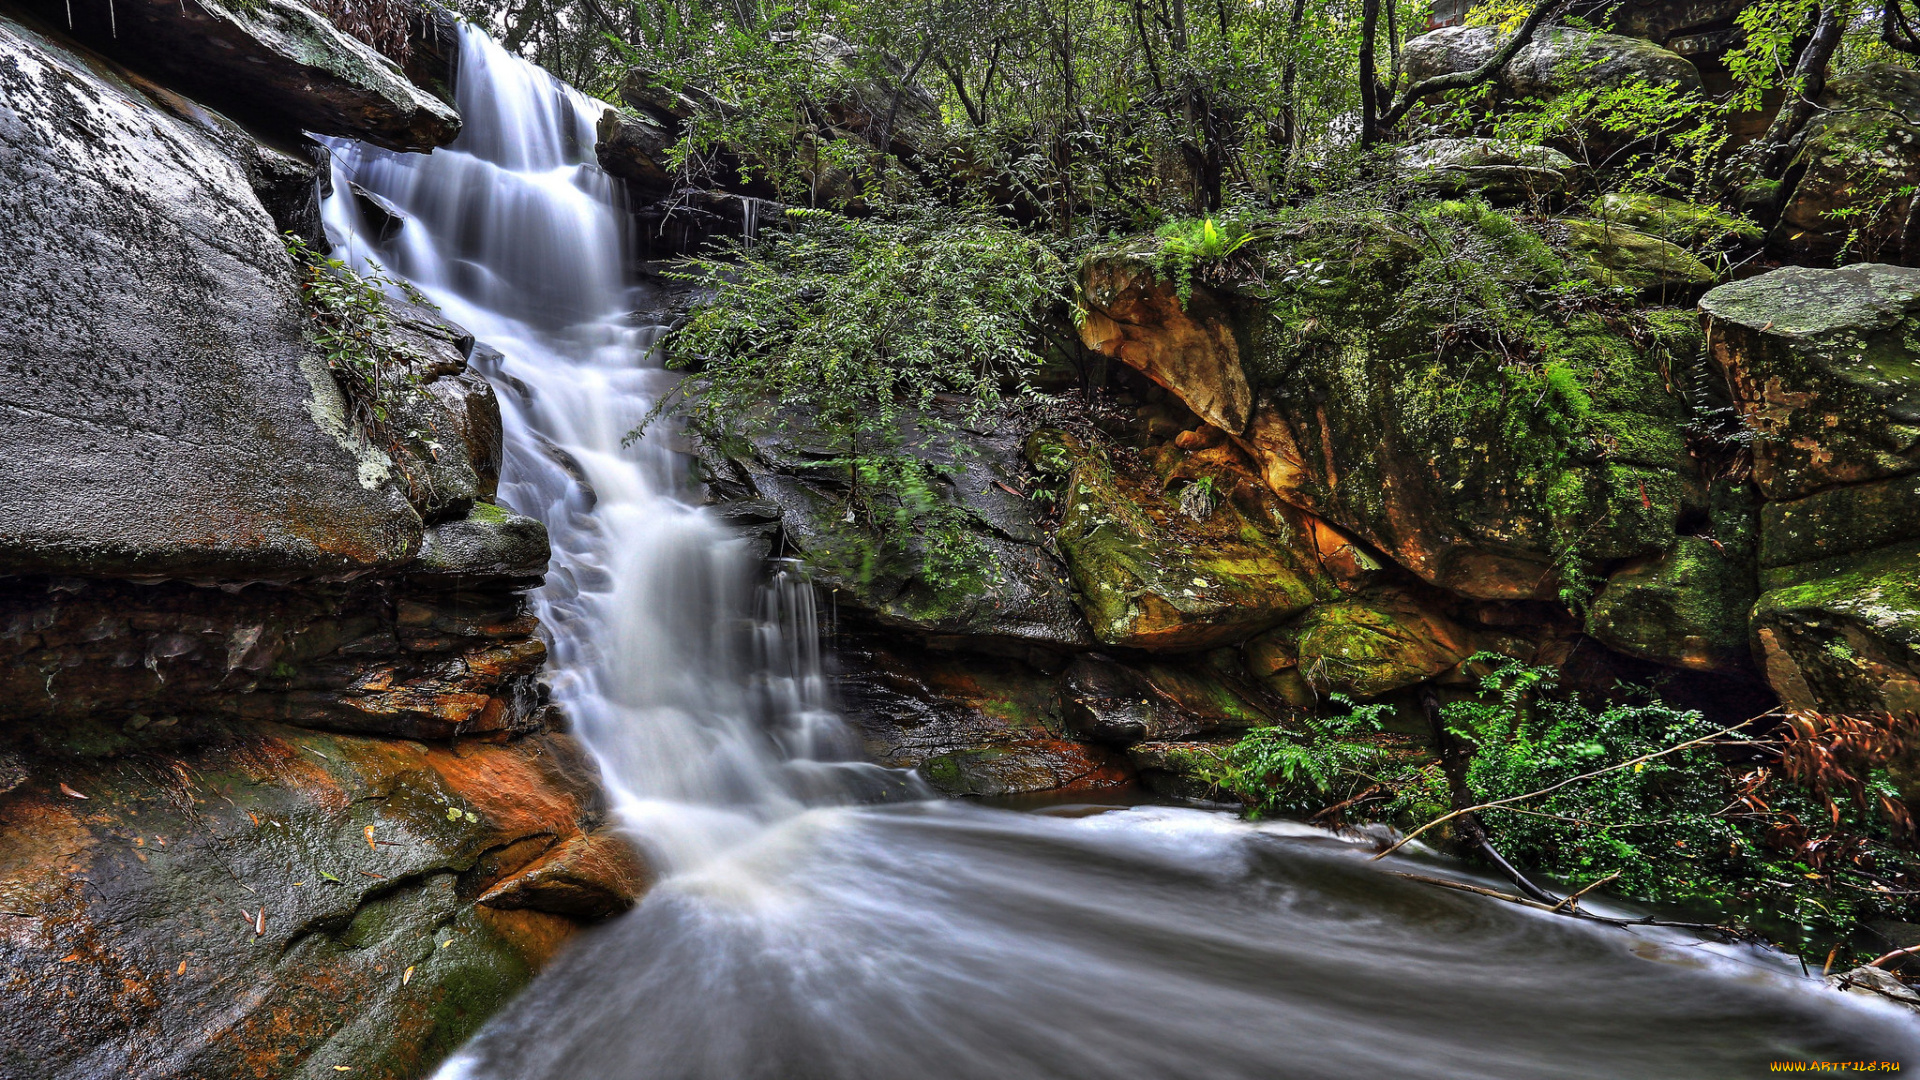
1190, 245
350, 323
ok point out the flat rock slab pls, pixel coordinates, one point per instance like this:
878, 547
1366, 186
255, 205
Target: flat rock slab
160, 411
276, 62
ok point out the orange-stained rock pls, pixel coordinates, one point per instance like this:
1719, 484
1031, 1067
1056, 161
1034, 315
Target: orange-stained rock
593, 876
1135, 316
231, 899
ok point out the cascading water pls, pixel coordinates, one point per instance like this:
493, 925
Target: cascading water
797, 935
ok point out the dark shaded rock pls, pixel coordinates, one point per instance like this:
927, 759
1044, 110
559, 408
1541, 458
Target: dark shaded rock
414, 660
1109, 702
1687, 608
1022, 596
971, 724
1856, 163
1821, 366
161, 409
433, 50
634, 148
1182, 769
489, 542
1556, 61
1501, 171
274, 62
331, 878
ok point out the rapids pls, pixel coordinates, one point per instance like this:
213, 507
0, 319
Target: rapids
822, 917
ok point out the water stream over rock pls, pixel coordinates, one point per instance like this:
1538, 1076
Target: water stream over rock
817, 917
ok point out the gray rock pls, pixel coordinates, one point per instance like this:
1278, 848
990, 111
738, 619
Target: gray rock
160, 408
1877, 983
1557, 60
276, 62
1822, 365
1502, 171
488, 542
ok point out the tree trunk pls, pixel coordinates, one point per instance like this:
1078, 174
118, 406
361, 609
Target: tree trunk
1808, 80
1369, 85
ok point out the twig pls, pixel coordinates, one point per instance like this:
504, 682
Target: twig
1573, 900
1497, 803
1481, 890
1908, 951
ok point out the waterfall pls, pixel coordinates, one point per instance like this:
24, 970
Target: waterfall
705, 704
798, 930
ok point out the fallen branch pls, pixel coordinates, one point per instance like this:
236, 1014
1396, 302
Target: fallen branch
1573, 913
1573, 899
1499, 803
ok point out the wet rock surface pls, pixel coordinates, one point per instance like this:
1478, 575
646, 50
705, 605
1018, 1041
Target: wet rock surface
220, 899
162, 410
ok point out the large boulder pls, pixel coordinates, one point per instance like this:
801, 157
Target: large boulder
1691, 225
1156, 570
277, 63
162, 411
1555, 61
1365, 645
1624, 258
1489, 478
1188, 347
254, 900
1686, 608
1823, 368
1857, 163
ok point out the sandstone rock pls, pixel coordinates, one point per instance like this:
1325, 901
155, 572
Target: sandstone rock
1181, 769
1821, 366
489, 542
1557, 60
162, 411
1133, 314
1501, 171
1109, 702
1687, 608
414, 659
1845, 639
332, 877
1861, 155
1364, 645
274, 62
1149, 577
1623, 258
1424, 456
448, 423
635, 148
593, 876
1677, 24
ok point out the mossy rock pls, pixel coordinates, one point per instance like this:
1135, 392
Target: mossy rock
1147, 576
1366, 645
1847, 640
1624, 258
1861, 157
1840, 521
1687, 608
1825, 366
1498, 170
1688, 224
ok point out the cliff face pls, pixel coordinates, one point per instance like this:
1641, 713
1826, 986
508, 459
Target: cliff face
279, 789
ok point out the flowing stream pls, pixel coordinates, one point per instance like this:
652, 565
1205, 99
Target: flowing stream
822, 917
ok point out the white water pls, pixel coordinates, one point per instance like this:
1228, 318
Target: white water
795, 935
